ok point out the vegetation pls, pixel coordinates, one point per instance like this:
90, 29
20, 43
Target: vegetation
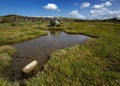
6, 53
19, 31
5, 56
96, 62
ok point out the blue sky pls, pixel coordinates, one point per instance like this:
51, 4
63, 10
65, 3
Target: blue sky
83, 9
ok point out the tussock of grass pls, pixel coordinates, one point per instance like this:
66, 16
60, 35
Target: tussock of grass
5, 56
7, 49
6, 53
4, 60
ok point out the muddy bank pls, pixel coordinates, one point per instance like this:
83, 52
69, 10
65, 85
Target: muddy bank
39, 49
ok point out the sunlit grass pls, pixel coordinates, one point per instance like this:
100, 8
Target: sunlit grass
96, 62
10, 34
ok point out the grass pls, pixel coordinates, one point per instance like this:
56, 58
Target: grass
12, 33
96, 62
19, 32
5, 56
6, 53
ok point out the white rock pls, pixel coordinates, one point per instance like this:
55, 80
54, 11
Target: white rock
30, 67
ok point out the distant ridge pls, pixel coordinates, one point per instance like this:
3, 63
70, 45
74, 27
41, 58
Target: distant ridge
18, 18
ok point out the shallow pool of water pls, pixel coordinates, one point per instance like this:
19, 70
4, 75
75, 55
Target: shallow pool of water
39, 49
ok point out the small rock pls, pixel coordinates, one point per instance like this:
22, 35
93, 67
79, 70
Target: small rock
30, 67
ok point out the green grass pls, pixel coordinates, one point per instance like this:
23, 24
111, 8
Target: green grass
12, 33
20, 32
6, 53
96, 62
5, 56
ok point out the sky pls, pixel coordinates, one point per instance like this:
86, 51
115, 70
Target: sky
80, 9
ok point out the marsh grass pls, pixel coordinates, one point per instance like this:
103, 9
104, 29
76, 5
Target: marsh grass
96, 62
13, 34
5, 56
6, 53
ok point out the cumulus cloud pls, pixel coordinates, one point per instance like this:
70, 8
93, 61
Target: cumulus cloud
106, 4
101, 11
98, 6
98, 11
75, 14
51, 6
114, 14
84, 5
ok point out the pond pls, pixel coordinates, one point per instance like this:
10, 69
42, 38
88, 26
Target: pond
40, 49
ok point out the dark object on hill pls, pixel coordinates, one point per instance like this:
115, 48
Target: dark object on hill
55, 22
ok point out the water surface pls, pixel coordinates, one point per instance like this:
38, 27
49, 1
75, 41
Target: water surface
40, 49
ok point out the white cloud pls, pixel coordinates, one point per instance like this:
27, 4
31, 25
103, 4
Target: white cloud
51, 6
106, 4
108, 0
103, 13
75, 14
114, 14
98, 11
85, 5
98, 6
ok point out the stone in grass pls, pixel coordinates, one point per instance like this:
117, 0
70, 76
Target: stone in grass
55, 22
32, 66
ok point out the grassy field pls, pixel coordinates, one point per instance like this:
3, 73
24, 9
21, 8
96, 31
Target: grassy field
16, 32
96, 62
